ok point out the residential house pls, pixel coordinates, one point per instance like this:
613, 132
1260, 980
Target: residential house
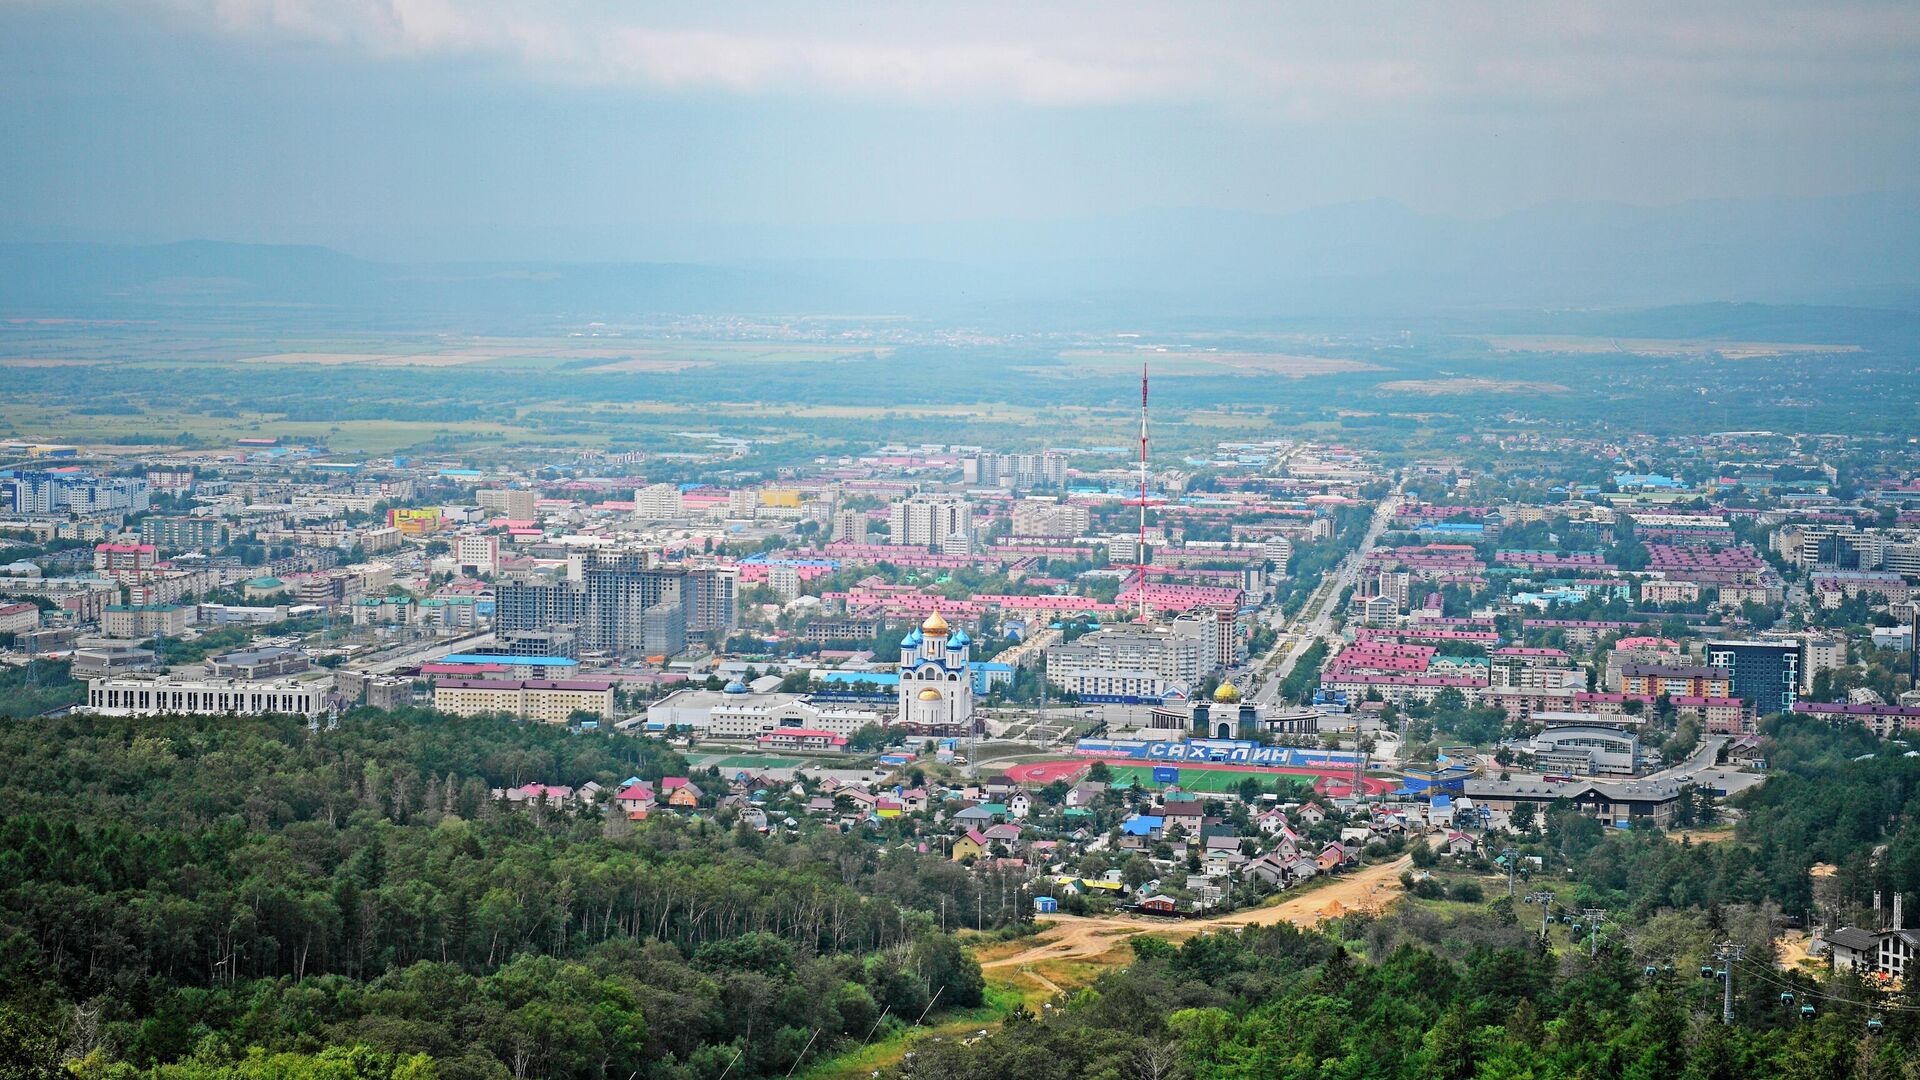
1085, 793
1185, 813
1158, 905
1007, 835
971, 846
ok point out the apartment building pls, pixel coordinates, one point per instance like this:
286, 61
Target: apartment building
548, 701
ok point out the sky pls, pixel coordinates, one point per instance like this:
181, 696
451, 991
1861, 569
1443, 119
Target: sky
456, 129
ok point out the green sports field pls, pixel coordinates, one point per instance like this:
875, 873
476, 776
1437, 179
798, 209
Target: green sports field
1210, 780
756, 761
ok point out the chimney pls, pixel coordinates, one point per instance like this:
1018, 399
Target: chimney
1898, 922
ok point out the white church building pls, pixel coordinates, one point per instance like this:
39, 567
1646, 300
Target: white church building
936, 689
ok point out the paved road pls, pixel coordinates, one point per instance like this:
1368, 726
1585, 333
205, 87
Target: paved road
424, 651
1314, 620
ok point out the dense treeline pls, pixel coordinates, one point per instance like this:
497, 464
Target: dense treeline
1276, 1003
1833, 796
195, 889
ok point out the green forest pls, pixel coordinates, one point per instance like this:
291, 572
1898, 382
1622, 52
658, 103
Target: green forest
1278, 1003
255, 898
251, 897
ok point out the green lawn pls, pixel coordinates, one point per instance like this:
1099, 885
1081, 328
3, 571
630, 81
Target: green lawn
1207, 780
756, 761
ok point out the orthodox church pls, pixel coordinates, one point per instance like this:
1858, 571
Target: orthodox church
936, 689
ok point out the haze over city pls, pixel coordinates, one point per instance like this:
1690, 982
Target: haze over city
858, 541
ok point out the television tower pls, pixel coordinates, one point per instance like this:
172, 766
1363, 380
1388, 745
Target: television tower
1140, 551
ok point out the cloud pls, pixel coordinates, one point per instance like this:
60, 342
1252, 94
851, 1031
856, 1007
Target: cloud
1302, 60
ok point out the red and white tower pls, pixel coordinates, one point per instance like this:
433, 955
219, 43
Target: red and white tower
1140, 551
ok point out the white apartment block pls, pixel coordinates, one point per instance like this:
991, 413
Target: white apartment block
925, 521
148, 695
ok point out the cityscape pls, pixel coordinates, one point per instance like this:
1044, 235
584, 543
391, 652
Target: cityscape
680, 652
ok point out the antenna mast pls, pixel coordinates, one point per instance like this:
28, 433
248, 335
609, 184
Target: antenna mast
1140, 551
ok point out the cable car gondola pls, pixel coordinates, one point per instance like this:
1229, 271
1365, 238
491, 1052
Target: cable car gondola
1874, 1024
1786, 997
1806, 1012
1706, 971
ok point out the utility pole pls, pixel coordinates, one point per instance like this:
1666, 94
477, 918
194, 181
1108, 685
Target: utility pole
1545, 900
1728, 954
1593, 916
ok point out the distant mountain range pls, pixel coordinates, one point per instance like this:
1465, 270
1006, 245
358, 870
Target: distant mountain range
1362, 260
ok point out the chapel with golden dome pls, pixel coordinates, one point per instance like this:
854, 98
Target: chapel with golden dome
936, 687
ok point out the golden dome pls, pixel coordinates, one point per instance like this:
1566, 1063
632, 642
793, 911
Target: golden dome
935, 626
1226, 693
929, 694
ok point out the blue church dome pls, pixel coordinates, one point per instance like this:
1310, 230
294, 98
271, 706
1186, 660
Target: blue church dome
735, 687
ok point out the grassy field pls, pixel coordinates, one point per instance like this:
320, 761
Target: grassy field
1207, 780
756, 761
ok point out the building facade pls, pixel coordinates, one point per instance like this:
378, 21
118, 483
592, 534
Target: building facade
147, 695
936, 689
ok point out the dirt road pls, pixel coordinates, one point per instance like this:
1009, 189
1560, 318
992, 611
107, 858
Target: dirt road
1076, 937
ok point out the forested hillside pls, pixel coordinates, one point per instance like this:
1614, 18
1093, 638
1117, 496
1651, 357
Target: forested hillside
186, 892
1277, 1003
1451, 991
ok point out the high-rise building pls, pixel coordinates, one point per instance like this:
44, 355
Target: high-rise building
477, 554
623, 605
1019, 472
183, 533
1143, 662
1278, 551
1046, 517
516, 504
77, 493
849, 526
926, 521
657, 502
713, 601
784, 581
1766, 673
626, 599
538, 605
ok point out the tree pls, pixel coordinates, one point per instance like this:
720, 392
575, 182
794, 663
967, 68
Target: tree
1523, 816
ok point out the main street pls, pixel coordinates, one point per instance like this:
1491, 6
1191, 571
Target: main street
1314, 620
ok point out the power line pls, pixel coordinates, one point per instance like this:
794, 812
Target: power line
1823, 995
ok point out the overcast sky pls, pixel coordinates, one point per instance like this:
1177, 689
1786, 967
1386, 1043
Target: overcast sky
571, 128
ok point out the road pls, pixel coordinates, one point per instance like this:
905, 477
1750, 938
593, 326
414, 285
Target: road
1314, 620
413, 655
1079, 937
